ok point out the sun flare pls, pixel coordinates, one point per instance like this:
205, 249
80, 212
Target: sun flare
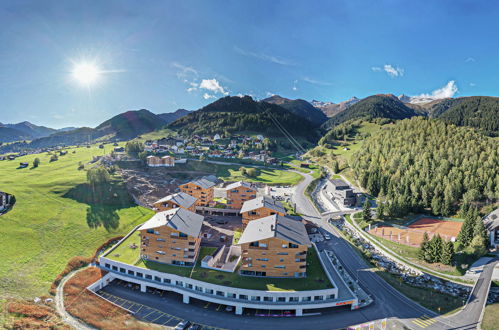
86, 73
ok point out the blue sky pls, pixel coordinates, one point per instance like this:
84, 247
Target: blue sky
165, 55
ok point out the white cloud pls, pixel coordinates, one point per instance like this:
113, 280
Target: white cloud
269, 94
184, 71
295, 88
472, 84
470, 59
263, 57
212, 85
441, 93
392, 71
207, 96
316, 82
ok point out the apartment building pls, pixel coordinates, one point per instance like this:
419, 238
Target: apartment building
172, 237
165, 161
202, 189
238, 193
274, 246
260, 207
173, 201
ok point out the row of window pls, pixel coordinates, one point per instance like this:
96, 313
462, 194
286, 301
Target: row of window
220, 293
265, 245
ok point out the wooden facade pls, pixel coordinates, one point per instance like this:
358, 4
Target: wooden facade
274, 257
238, 195
167, 245
204, 195
261, 212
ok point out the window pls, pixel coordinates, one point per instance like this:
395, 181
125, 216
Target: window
262, 259
179, 283
293, 298
130, 272
254, 244
264, 266
280, 266
209, 291
115, 268
156, 232
231, 295
160, 252
148, 277
282, 254
167, 280
330, 296
189, 286
122, 270
319, 298
174, 234
243, 297
268, 299
281, 299
198, 288
157, 279
160, 239
284, 246
293, 246
220, 293
183, 235
150, 231
255, 298
281, 260
263, 245
108, 266
306, 299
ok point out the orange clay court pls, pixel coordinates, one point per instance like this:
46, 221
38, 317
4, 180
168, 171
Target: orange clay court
413, 234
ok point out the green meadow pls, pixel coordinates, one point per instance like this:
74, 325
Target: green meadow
55, 219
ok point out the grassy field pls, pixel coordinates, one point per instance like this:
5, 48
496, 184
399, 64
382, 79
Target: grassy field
490, 317
316, 278
49, 223
269, 176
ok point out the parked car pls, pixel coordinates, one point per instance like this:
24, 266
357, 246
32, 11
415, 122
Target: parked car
327, 237
182, 325
229, 309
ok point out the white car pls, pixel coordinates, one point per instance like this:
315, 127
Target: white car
327, 237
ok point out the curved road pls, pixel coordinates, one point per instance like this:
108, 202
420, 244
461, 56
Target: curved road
388, 302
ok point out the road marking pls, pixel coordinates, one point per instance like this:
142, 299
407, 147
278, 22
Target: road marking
171, 318
153, 311
162, 314
218, 308
140, 307
424, 321
206, 306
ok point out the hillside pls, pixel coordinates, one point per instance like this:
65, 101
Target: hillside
8, 134
130, 124
300, 108
480, 112
23, 131
376, 106
239, 114
330, 109
424, 163
170, 117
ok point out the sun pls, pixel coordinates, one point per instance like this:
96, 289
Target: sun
86, 73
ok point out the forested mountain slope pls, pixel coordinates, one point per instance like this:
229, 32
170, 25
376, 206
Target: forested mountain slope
425, 163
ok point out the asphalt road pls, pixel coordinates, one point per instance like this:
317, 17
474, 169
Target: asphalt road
388, 303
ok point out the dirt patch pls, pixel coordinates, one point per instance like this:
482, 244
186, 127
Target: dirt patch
31, 315
413, 234
92, 309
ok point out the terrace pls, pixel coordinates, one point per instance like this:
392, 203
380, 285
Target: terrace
129, 252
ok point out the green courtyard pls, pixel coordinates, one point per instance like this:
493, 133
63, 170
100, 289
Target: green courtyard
316, 277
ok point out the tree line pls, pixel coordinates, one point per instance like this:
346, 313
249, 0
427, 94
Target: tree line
423, 164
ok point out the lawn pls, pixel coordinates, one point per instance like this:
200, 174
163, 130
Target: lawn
316, 278
490, 317
269, 176
47, 227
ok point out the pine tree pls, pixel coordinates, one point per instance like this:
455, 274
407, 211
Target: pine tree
478, 246
447, 253
479, 229
466, 233
435, 249
336, 167
423, 247
366, 212
380, 211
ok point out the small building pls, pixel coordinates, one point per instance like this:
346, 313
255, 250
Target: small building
171, 237
274, 246
202, 189
238, 193
260, 207
343, 193
165, 161
5, 200
217, 137
119, 149
491, 223
174, 201
23, 165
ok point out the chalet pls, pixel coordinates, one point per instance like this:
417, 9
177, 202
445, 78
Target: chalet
238, 193
260, 207
165, 161
343, 193
174, 201
23, 165
491, 223
171, 237
202, 189
274, 246
169, 142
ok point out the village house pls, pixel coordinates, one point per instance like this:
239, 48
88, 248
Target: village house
238, 193
260, 207
171, 237
174, 201
202, 189
491, 223
165, 161
274, 246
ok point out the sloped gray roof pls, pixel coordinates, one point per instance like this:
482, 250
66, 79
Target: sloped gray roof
491, 221
203, 183
263, 201
181, 198
180, 219
277, 226
339, 183
239, 184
